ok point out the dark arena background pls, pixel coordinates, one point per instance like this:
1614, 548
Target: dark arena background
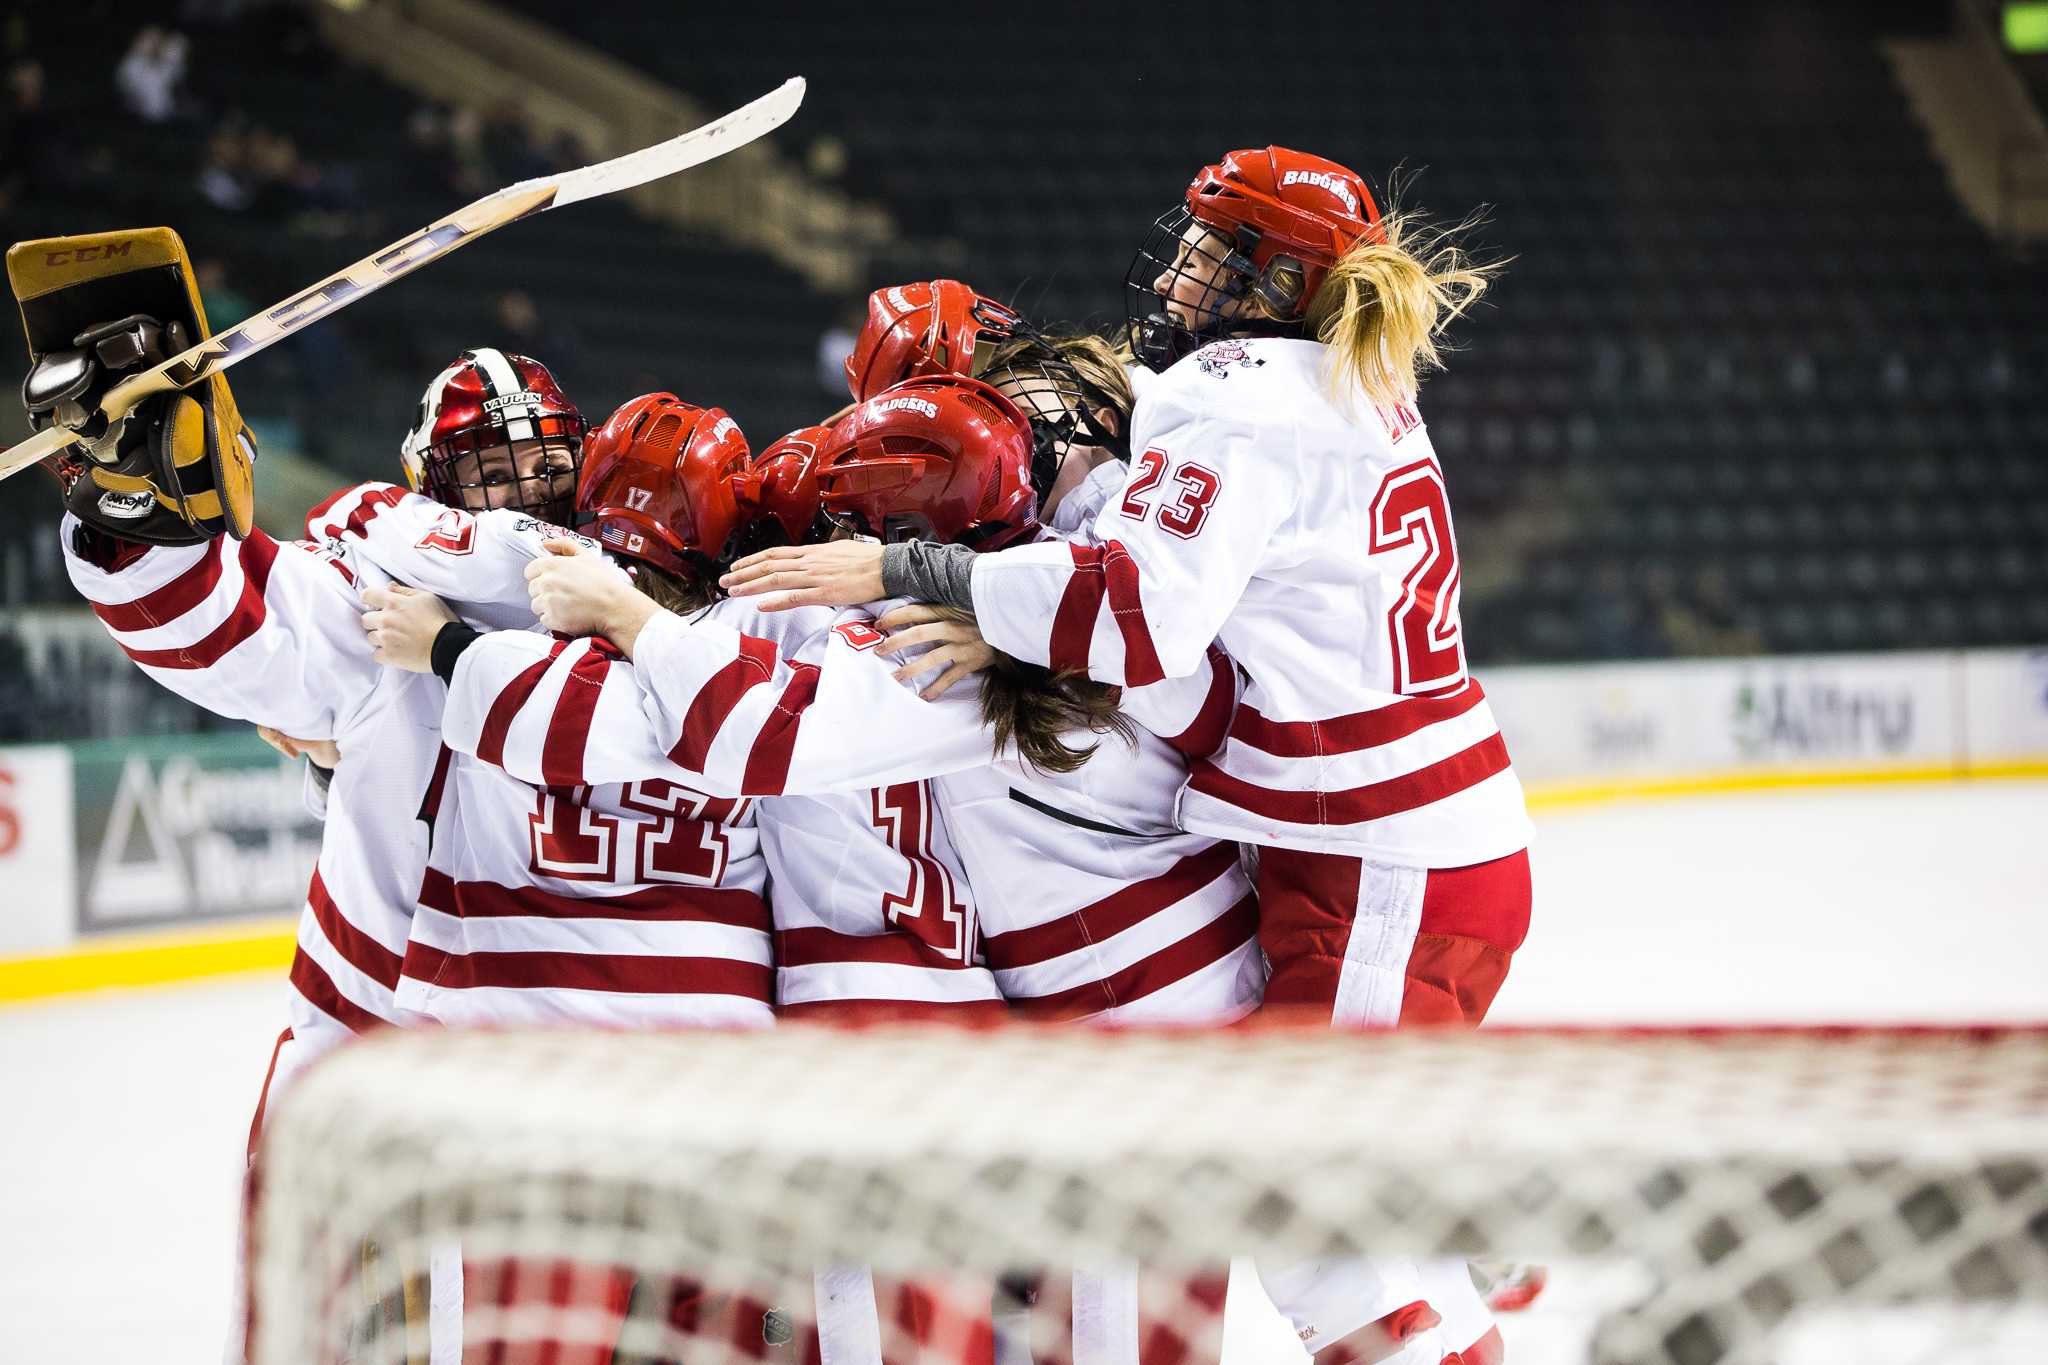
1748, 447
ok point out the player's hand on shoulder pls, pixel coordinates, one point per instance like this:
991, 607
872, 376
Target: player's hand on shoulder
402, 623
956, 651
840, 573
574, 591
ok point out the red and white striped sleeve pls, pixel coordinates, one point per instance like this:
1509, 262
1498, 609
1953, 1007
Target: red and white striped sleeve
1141, 595
473, 561
709, 706
251, 630
1192, 713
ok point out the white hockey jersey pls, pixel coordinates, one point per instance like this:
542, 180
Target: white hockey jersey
268, 633
870, 905
1315, 545
632, 904
1092, 903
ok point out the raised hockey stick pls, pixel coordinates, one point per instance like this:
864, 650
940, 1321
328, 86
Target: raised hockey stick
430, 243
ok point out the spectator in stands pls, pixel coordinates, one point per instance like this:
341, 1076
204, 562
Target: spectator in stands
19, 710
521, 330
223, 181
25, 152
835, 344
471, 162
426, 129
1704, 620
564, 151
511, 149
148, 77
281, 181
1621, 620
225, 304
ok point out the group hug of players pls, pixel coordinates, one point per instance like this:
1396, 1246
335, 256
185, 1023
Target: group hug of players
1084, 680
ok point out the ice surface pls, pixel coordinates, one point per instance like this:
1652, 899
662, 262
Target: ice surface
123, 1115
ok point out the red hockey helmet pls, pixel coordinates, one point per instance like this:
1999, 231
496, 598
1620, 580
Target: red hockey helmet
944, 459
781, 486
1277, 221
660, 483
495, 430
918, 330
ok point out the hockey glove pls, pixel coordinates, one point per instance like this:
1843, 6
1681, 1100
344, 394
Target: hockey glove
175, 471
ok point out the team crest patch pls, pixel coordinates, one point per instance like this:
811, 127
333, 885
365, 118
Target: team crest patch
1218, 357
547, 530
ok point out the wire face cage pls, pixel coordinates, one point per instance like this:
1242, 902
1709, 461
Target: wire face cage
484, 468
1190, 284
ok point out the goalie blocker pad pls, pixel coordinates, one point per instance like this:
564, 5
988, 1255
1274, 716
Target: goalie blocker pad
188, 453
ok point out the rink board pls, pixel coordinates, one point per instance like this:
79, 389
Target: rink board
173, 858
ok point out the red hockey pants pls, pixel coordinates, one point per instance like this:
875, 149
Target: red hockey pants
1372, 945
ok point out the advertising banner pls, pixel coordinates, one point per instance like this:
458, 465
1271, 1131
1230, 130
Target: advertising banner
1787, 714
36, 854
2005, 704
188, 828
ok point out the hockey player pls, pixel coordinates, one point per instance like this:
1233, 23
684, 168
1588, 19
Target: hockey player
1286, 501
1092, 903
635, 906
926, 331
235, 627
736, 714
936, 328
1419, 780
872, 912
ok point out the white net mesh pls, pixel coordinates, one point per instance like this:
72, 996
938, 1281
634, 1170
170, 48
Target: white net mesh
684, 1197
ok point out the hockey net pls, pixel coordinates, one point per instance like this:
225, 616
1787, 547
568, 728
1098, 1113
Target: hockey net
1777, 1196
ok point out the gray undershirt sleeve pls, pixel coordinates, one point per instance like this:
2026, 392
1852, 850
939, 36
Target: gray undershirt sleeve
929, 572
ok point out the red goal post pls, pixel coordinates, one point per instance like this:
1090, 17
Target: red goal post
1756, 1180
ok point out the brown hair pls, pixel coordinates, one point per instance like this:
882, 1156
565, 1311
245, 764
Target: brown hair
1095, 361
1384, 304
671, 592
1032, 707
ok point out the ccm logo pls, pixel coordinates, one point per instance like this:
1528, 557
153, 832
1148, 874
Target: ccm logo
80, 255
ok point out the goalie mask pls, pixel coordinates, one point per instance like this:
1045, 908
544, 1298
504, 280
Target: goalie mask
660, 483
932, 459
495, 430
1245, 252
918, 331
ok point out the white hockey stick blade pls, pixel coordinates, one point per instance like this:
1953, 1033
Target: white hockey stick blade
430, 243
736, 129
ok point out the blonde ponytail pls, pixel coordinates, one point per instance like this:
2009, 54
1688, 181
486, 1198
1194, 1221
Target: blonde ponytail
1383, 305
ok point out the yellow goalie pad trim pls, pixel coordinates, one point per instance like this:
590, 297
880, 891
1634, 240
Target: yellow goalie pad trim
48, 264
